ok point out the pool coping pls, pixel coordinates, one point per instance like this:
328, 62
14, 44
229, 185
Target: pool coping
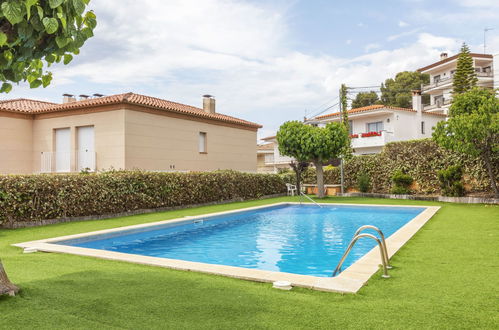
351, 280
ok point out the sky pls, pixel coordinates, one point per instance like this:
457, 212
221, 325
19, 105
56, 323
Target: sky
265, 61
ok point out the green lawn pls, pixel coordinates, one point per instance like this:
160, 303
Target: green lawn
447, 276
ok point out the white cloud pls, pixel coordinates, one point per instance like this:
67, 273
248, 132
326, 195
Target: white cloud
403, 34
371, 46
348, 42
403, 24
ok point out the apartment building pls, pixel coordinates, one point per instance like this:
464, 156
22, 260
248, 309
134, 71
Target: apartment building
374, 126
124, 131
441, 78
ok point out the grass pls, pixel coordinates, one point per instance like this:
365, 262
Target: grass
447, 276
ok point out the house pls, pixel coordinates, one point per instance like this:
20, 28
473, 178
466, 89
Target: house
269, 159
124, 131
374, 126
441, 78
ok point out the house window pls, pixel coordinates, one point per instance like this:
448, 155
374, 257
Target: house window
350, 127
203, 142
487, 69
477, 70
375, 127
422, 128
436, 79
452, 73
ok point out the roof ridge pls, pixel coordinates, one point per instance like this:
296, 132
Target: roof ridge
366, 108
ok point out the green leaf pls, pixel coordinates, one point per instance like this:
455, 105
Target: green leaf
3, 38
50, 58
35, 83
13, 11
79, 6
55, 3
40, 12
46, 79
29, 4
62, 41
68, 58
6, 87
51, 24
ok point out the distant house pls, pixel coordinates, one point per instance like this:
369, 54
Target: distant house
441, 79
374, 126
269, 159
124, 131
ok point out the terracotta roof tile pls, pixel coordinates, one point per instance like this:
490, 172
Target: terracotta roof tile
24, 105
365, 109
267, 146
36, 107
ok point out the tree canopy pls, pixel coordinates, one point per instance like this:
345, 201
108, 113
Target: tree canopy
313, 144
464, 78
397, 92
34, 32
473, 128
364, 99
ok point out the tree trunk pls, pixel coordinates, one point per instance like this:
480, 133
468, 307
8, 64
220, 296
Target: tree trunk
320, 179
6, 287
488, 164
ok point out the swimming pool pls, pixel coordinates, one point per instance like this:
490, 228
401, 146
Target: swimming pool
299, 243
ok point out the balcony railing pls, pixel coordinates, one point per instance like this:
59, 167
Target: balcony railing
448, 80
371, 139
437, 105
61, 162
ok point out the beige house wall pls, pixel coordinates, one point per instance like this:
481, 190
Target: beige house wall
15, 144
158, 142
109, 128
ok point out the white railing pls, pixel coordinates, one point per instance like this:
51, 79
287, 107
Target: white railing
60, 162
371, 141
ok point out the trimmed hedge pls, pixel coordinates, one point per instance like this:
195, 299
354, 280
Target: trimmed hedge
41, 197
421, 159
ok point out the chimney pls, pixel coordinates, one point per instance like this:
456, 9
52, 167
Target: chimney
416, 101
83, 97
443, 56
209, 103
68, 98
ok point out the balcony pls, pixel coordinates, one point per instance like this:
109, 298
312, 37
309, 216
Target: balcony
61, 162
444, 82
371, 139
438, 105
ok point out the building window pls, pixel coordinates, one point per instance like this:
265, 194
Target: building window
452, 73
203, 142
436, 79
350, 127
375, 127
422, 128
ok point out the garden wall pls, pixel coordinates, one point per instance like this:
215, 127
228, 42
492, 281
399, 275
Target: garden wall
32, 198
421, 159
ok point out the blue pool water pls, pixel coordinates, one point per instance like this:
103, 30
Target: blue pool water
300, 239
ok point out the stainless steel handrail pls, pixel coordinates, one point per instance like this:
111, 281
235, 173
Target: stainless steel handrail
382, 239
310, 199
350, 246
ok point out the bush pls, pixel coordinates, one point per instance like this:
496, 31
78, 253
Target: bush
363, 182
401, 183
40, 197
450, 181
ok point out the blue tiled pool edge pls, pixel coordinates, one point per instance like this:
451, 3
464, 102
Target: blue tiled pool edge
350, 280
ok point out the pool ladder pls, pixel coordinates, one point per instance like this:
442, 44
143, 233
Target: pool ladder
382, 248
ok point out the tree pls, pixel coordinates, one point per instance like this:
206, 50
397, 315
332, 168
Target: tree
313, 144
298, 168
397, 92
473, 128
364, 99
464, 78
33, 32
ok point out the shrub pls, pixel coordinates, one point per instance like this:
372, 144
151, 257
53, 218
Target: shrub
363, 182
450, 181
401, 183
40, 197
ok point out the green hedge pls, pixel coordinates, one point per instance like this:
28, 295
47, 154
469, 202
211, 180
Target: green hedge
40, 197
421, 159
